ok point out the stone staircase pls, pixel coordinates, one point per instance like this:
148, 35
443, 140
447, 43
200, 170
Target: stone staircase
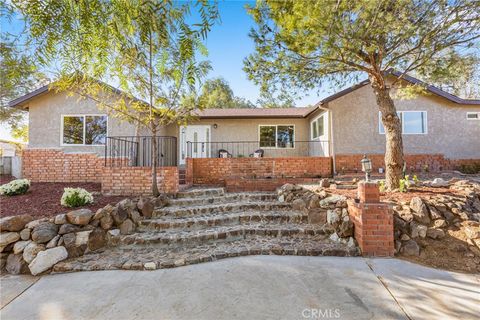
206, 224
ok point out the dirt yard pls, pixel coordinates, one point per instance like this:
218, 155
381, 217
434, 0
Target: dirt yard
43, 199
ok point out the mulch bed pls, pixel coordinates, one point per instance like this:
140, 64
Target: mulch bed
43, 199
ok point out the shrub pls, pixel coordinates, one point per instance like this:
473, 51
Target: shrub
15, 187
76, 197
470, 168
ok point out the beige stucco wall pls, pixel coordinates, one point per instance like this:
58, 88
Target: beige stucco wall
45, 120
355, 126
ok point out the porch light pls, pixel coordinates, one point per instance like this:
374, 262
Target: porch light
366, 167
215, 126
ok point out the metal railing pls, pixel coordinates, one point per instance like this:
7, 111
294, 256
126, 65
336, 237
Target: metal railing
242, 149
136, 151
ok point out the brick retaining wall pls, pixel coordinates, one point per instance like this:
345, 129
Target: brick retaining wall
138, 180
215, 171
415, 162
53, 165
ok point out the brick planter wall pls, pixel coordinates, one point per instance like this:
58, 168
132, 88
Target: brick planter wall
215, 171
373, 222
53, 165
128, 181
415, 162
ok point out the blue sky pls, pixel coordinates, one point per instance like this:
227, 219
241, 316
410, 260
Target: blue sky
228, 44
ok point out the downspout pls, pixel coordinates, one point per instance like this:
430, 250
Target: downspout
330, 136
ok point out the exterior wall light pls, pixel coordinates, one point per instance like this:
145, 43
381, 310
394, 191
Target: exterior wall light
366, 167
215, 126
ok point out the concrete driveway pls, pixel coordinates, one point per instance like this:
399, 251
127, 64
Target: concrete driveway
255, 287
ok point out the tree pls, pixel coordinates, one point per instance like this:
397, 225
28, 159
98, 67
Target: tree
302, 44
216, 93
149, 48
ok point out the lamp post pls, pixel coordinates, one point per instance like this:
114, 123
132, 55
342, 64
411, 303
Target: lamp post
366, 167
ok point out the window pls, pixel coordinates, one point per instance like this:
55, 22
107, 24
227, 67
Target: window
84, 130
317, 127
412, 122
473, 115
277, 136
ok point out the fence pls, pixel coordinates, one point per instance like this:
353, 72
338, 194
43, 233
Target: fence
136, 151
244, 149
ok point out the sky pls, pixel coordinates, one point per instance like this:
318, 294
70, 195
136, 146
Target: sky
228, 44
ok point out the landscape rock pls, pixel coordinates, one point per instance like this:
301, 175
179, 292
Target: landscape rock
35, 223
31, 251
47, 259
16, 265
127, 227
19, 246
440, 223
14, 223
68, 228
419, 210
435, 213
411, 248
119, 216
53, 243
81, 238
8, 237
60, 219
317, 216
80, 216
418, 230
44, 232
106, 222
345, 229
135, 216
25, 234
324, 183
332, 200
298, 204
333, 218
146, 207
334, 237
472, 230
435, 233
150, 266
439, 183
97, 239
114, 232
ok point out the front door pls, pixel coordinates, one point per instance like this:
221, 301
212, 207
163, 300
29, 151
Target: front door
194, 142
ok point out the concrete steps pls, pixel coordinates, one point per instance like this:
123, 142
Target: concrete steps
201, 192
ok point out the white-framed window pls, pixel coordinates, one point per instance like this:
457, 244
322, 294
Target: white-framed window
276, 136
412, 122
473, 115
84, 130
317, 127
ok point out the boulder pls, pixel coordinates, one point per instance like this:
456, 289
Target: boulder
345, 229
80, 216
70, 243
146, 207
472, 230
47, 259
435, 233
53, 243
114, 232
16, 265
60, 219
31, 251
435, 213
44, 232
135, 216
14, 223
333, 218
324, 183
25, 234
150, 266
405, 213
8, 237
317, 216
35, 223
97, 239
81, 238
410, 248
314, 202
334, 237
106, 222
19, 246
332, 200
281, 198
418, 230
298, 204
68, 228
419, 210
124, 209
119, 216
102, 212
440, 223
439, 183
127, 227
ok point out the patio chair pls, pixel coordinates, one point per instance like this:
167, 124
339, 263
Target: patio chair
222, 153
257, 154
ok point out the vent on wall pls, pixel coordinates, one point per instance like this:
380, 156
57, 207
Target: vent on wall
473, 115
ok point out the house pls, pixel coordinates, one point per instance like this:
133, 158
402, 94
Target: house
73, 140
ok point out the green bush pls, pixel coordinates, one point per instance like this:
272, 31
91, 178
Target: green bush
76, 197
15, 187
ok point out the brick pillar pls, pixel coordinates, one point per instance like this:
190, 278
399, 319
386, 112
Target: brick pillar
189, 171
373, 222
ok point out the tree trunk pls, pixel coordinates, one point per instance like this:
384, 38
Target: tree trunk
393, 134
155, 191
